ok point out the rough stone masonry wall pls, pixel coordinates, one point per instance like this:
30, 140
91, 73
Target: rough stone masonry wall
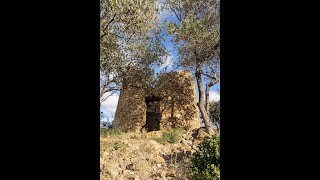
131, 110
179, 104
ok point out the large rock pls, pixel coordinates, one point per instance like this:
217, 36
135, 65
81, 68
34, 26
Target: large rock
102, 177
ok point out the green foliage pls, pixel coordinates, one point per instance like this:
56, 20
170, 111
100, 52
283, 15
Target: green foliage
130, 38
196, 31
172, 135
110, 132
206, 163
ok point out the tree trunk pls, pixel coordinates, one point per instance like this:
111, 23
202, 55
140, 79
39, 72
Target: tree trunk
201, 104
207, 99
208, 85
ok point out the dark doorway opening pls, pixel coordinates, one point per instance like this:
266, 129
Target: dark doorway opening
153, 114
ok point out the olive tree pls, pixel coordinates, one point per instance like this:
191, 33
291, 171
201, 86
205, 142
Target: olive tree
195, 30
130, 38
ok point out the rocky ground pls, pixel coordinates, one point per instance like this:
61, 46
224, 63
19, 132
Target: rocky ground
141, 156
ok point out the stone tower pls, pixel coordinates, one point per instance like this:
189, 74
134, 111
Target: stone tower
172, 103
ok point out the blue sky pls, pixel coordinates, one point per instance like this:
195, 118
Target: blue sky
110, 105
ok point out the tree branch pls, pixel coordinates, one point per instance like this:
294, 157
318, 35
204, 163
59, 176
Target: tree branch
105, 28
208, 85
176, 14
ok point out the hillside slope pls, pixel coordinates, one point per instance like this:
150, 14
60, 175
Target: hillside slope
142, 156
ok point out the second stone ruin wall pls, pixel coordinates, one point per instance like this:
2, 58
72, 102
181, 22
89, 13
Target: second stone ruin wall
179, 104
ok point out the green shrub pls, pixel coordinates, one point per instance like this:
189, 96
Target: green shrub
118, 145
172, 135
134, 136
109, 132
206, 162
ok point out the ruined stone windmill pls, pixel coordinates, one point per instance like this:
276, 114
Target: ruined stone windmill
171, 104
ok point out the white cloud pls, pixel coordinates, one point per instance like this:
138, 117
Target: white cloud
168, 62
214, 96
110, 104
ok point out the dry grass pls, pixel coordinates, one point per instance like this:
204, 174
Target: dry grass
170, 136
142, 155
